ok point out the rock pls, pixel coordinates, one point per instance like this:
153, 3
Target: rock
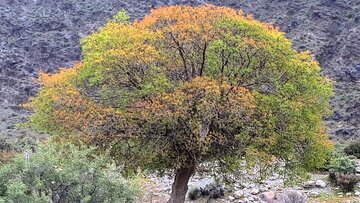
255, 191
275, 176
293, 196
268, 196
231, 198
357, 193
348, 194
314, 194
358, 185
309, 184
237, 185
263, 189
252, 185
320, 183
357, 169
238, 194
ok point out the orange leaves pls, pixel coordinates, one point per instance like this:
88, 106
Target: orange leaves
64, 76
202, 96
188, 23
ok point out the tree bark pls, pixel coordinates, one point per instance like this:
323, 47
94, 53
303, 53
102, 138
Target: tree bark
180, 185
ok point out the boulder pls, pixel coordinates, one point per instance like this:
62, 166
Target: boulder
309, 184
320, 183
293, 196
357, 193
268, 196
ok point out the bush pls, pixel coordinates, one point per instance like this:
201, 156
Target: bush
346, 182
63, 174
342, 172
353, 149
194, 193
213, 191
342, 164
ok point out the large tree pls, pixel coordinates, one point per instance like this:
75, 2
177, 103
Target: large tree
186, 86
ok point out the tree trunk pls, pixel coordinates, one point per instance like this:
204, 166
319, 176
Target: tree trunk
180, 185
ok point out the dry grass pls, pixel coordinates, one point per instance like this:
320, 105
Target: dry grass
330, 198
6, 156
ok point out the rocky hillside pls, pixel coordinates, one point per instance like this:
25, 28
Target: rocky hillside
44, 35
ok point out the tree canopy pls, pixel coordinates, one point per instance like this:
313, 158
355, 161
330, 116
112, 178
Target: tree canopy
190, 85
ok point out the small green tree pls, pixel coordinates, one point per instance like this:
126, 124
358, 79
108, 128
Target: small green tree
122, 17
191, 85
67, 173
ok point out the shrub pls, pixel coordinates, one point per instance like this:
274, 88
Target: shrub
342, 164
213, 191
194, 193
353, 149
346, 182
63, 174
342, 172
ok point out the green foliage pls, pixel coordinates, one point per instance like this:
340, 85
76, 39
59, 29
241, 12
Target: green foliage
353, 149
342, 172
66, 173
190, 85
342, 164
122, 17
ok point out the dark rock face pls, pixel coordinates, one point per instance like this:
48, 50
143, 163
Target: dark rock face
44, 35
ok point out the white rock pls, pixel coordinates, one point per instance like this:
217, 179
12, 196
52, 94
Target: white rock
357, 193
357, 169
263, 189
309, 184
314, 194
238, 194
231, 198
320, 183
348, 194
255, 191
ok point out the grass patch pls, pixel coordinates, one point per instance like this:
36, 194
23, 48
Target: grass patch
332, 198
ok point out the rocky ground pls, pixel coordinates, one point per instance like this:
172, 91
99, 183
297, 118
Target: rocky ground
317, 189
